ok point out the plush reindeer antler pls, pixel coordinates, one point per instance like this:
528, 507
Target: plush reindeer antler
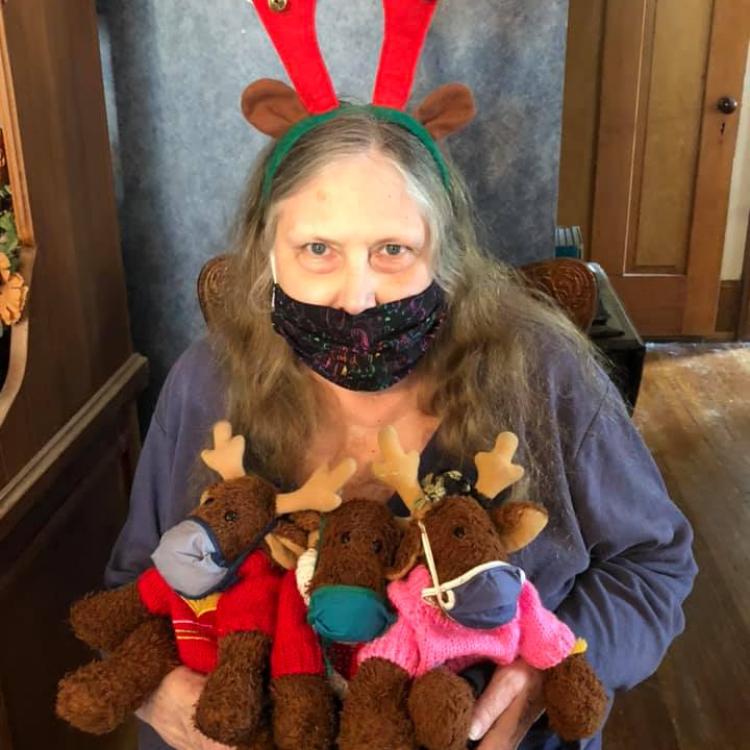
398, 469
495, 470
226, 456
320, 491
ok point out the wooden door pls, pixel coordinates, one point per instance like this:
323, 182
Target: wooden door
663, 157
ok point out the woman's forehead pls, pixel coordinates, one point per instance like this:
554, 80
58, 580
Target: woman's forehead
357, 193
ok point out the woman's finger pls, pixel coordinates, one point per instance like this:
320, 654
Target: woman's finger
512, 726
504, 686
503, 734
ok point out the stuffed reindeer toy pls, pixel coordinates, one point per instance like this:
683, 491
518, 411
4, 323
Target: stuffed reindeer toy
463, 604
221, 589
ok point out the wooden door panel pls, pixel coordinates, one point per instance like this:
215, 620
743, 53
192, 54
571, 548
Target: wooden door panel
653, 302
725, 75
671, 127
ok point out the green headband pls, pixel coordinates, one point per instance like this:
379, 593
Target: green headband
285, 143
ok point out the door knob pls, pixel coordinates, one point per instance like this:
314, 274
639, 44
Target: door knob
727, 105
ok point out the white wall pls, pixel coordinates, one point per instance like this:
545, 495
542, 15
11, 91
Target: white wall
739, 197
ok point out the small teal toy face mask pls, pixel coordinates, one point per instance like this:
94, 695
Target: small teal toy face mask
349, 614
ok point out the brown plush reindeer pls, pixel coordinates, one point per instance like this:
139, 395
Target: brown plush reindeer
210, 603
467, 604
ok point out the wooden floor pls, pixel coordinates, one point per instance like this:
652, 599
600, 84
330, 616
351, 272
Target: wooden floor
694, 413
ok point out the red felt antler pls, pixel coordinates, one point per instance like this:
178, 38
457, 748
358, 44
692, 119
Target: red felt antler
405, 27
291, 26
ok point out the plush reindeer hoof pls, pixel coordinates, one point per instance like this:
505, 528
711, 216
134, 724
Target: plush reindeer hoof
375, 715
88, 700
575, 699
105, 619
303, 712
234, 699
440, 705
229, 713
262, 739
99, 696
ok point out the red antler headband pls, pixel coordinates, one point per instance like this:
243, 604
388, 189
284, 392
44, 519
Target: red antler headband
291, 26
275, 109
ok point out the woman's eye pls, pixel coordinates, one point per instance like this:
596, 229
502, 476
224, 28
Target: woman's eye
317, 248
393, 250
393, 257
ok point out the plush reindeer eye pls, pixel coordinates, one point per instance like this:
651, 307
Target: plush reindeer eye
459, 532
345, 537
377, 546
230, 516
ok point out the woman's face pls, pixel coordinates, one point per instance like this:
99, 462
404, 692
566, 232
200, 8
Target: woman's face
352, 237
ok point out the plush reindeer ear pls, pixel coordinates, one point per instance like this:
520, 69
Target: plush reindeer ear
272, 107
518, 523
291, 535
407, 553
283, 551
307, 520
446, 110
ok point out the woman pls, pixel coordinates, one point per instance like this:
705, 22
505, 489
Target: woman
370, 252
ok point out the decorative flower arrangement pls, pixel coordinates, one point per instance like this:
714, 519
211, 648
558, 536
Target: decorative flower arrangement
13, 288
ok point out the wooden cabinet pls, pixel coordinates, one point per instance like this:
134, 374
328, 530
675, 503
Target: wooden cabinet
68, 429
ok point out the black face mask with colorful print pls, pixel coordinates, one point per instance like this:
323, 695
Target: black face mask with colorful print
369, 351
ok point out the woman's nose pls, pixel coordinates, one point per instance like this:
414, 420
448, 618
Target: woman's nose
358, 291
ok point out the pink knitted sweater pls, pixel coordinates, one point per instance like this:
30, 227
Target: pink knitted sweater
424, 638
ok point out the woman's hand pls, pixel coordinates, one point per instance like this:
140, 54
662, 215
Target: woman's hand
170, 711
510, 704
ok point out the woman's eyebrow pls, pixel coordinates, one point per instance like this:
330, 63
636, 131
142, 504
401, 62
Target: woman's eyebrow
401, 240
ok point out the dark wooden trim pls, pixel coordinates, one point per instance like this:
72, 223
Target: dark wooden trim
40, 475
728, 313
5, 740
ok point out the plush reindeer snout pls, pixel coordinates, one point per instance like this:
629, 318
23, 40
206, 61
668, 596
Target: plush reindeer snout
358, 543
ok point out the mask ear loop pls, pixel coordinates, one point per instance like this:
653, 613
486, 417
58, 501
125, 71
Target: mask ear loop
449, 601
273, 275
325, 644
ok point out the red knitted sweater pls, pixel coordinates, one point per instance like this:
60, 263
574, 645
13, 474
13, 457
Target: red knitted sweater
264, 599
250, 605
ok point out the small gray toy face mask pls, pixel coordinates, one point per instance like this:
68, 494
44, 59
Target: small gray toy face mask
191, 561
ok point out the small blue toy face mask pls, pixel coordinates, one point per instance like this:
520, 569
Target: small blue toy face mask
348, 614
483, 598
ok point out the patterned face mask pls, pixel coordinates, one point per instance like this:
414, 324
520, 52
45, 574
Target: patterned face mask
369, 351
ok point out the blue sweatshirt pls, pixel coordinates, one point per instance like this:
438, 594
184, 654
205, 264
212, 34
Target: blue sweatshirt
615, 561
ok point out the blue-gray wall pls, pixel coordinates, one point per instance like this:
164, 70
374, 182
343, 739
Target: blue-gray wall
174, 71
